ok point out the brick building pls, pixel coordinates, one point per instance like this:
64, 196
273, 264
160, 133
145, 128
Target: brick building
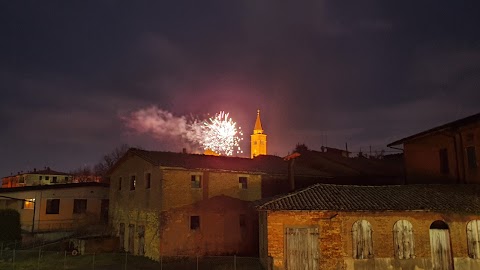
372, 227
444, 154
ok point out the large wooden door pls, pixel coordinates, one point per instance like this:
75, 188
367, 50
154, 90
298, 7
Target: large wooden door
301, 248
441, 247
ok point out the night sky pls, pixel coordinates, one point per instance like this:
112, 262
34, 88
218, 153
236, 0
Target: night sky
321, 72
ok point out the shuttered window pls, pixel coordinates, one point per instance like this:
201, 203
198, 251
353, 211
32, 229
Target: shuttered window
362, 240
403, 240
473, 239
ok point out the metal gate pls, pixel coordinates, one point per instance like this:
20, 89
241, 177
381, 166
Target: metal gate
301, 248
441, 249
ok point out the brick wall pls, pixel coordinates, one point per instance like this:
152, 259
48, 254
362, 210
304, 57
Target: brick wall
422, 160
335, 239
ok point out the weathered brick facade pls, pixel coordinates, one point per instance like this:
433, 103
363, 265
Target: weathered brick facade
461, 142
165, 209
335, 238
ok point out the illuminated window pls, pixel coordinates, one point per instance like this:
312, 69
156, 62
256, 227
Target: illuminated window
242, 182
194, 222
28, 204
196, 181
133, 182
79, 206
53, 206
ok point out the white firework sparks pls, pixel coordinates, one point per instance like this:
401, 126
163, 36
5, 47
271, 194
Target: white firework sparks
221, 135
218, 134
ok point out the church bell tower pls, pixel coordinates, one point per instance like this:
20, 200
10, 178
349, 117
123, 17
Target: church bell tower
258, 139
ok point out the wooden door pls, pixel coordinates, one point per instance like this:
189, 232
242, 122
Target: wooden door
141, 240
441, 249
301, 248
121, 236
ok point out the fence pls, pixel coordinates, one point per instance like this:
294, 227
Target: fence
38, 259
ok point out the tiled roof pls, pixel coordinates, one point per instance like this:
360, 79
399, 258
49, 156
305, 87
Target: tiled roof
440, 198
56, 186
260, 164
455, 124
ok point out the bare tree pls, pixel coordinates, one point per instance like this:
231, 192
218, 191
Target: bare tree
83, 174
108, 160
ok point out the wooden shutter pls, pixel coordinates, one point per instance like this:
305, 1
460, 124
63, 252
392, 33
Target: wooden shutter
403, 240
473, 232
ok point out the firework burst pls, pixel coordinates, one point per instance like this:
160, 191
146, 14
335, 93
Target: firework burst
220, 134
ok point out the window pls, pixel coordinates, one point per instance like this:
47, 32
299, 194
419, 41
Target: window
40, 177
473, 239
362, 240
403, 240
66, 179
148, 177
242, 182
471, 157
444, 169
194, 222
53, 206
54, 179
47, 178
133, 182
120, 183
28, 204
22, 180
79, 206
196, 181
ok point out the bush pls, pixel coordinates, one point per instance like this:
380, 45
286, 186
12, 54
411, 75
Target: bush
10, 230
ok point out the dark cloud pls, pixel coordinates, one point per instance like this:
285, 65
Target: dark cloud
364, 72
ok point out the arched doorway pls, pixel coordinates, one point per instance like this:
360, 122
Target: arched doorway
442, 258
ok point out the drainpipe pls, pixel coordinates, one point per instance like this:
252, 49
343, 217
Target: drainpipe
456, 153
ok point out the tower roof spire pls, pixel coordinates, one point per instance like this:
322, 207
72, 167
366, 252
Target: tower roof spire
258, 124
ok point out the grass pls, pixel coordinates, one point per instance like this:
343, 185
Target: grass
51, 260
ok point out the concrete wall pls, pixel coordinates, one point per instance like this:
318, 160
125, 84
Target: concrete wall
335, 238
422, 159
65, 219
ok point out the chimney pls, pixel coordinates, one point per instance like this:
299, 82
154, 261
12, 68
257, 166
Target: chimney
291, 172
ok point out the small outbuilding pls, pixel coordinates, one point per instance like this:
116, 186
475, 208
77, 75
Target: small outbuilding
372, 227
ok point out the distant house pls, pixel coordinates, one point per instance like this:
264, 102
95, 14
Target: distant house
372, 227
444, 154
58, 208
36, 177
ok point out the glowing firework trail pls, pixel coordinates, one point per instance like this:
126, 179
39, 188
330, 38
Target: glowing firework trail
218, 133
